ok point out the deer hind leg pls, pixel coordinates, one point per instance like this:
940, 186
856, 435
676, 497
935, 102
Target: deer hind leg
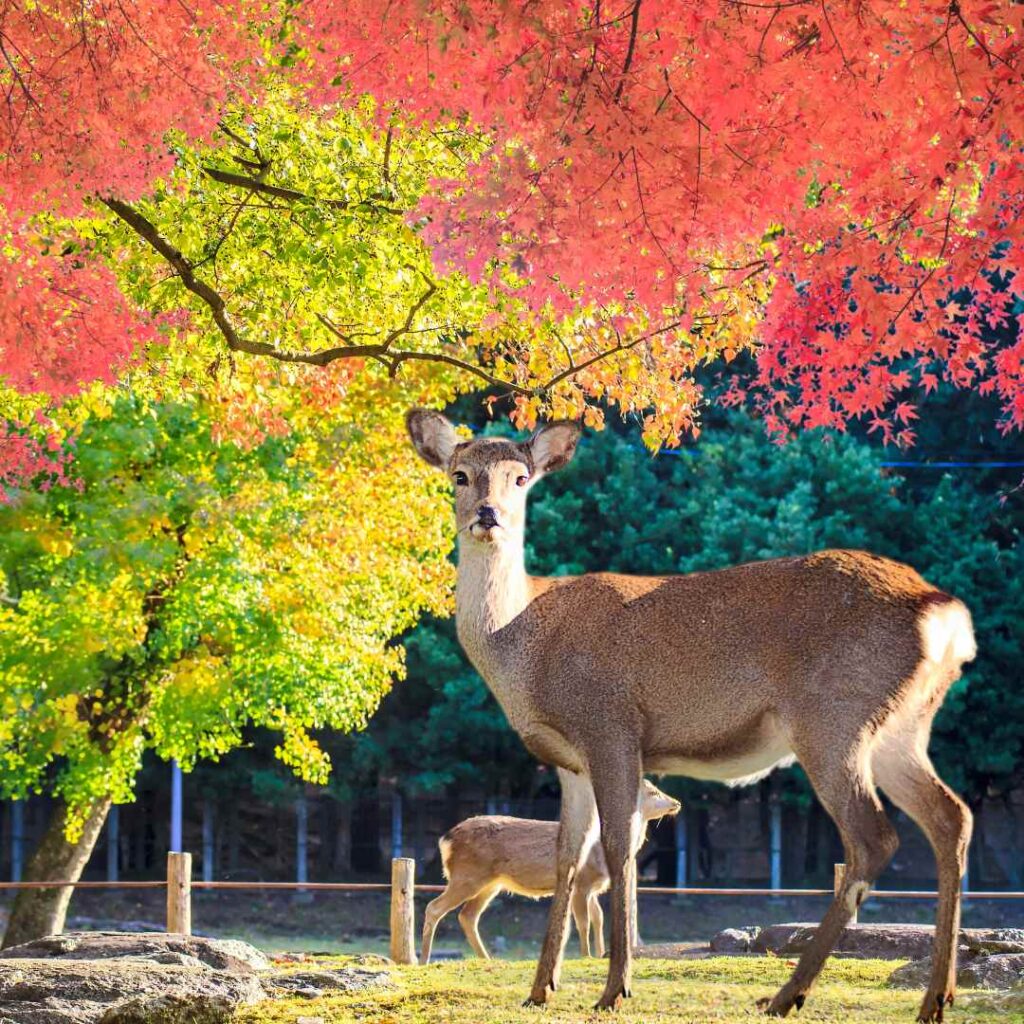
841, 777
617, 791
469, 918
576, 834
597, 922
905, 773
453, 896
581, 918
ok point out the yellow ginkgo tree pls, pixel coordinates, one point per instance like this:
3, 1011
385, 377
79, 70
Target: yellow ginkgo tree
179, 587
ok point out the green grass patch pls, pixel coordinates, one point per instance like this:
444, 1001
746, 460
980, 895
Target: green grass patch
723, 989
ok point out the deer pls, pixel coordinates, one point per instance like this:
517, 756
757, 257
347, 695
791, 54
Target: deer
490, 854
838, 659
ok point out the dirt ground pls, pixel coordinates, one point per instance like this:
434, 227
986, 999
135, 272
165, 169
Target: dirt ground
512, 927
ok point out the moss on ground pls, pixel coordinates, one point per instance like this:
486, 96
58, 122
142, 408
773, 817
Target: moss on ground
721, 990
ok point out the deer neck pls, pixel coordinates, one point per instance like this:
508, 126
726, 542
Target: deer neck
491, 590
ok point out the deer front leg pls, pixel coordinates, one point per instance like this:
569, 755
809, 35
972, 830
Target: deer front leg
616, 789
576, 834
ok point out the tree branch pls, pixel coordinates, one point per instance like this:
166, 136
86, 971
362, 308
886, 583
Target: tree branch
215, 302
630, 50
381, 352
291, 194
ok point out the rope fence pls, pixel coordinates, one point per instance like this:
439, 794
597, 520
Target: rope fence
403, 889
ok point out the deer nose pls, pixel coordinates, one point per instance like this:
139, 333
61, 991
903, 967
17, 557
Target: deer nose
487, 516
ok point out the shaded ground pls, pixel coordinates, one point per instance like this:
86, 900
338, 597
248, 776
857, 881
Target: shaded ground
722, 990
512, 926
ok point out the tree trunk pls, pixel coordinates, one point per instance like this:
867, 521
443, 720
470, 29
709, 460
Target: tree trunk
39, 912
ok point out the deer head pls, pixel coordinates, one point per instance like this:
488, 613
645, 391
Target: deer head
655, 804
491, 475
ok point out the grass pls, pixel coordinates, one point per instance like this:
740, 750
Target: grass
721, 990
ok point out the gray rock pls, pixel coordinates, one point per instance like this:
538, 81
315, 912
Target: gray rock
372, 960
915, 974
172, 1009
999, 971
194, 950
155, 978
868, 941
734, 940
673, 951
66, 991
111, 924
314, 983
993, 940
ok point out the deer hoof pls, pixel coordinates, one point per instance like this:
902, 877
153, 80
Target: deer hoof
611, 1001
539, 997
933, 1006
772, 1007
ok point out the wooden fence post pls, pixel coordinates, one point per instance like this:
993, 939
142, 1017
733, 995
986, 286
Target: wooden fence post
179, 893
840, 877
403, 910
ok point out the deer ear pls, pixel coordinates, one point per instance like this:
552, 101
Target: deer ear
554, 445
432, 435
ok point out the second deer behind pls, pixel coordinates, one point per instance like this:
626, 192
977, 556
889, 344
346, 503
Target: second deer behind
490, 854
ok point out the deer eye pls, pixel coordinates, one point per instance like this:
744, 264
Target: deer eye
522, 481
460, 478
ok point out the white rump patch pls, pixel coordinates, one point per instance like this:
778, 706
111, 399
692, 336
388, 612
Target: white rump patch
947, 635
445, 846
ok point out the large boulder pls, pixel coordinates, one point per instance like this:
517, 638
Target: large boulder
159, 947
174, 1009
989, 958
993, 940
155, 978
868, 941
65, 991
999, 971
915, 974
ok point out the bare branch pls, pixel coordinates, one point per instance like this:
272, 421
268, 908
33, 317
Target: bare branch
631, 49
249, 146
620, 346
919, 287
386, 168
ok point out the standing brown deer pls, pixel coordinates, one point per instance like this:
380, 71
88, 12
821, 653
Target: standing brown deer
494, 853
838, 659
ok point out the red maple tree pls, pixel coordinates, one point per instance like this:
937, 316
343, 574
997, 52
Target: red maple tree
864, 156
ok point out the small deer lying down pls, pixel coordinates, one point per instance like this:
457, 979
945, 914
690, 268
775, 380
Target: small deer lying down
489, 854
